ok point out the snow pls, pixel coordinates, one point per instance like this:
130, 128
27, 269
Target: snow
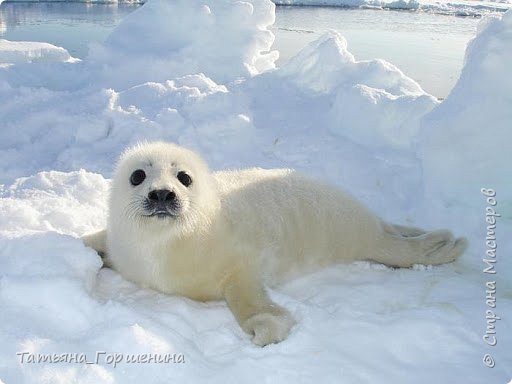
16, 52
481, 157
456, 7
209, 82
395, 101
211, 46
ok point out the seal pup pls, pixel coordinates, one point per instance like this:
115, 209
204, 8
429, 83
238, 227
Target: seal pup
175, 227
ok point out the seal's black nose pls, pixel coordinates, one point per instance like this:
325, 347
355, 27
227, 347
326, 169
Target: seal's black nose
161, 196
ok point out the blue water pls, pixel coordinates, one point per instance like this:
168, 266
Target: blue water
427, 47
69, 25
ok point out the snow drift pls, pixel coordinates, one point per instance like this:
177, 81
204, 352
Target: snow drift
395, 101
362, 125
16, 52
228, 39
462, 148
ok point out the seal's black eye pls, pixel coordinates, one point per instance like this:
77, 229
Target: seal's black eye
184, 179
137, 177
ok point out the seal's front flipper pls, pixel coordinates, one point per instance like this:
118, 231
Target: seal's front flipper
258, 316
98, 242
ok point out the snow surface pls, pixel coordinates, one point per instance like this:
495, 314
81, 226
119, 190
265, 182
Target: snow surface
210, 83
16, 52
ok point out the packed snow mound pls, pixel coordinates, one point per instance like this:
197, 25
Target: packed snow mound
16, 52
191, 109
326, 63
226, 39
358, 87
461, 148
42, 203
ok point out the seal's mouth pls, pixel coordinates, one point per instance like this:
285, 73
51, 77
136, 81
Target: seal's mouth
161, 209
161, 213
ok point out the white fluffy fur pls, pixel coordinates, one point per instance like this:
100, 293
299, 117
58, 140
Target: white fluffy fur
240, 230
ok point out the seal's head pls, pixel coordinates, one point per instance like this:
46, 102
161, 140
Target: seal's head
161, 186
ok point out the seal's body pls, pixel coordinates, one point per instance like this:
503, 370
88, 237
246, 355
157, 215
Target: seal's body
175, 227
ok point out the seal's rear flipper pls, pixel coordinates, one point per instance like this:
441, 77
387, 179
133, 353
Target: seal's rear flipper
403, 246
